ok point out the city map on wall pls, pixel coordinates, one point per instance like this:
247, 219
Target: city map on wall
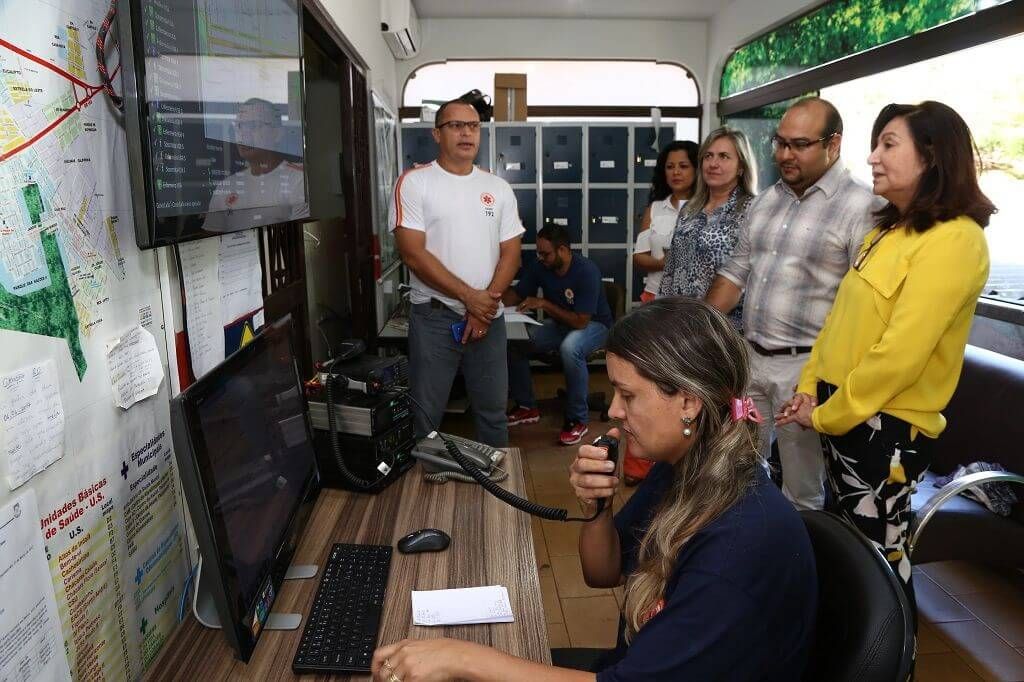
72, 287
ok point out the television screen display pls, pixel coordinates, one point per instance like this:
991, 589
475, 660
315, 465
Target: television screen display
245, 452
213, 104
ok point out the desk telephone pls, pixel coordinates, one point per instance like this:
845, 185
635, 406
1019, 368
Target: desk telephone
440, 465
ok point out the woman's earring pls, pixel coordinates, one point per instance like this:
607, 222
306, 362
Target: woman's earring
687, 431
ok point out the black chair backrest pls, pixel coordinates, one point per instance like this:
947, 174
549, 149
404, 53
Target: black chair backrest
864, 630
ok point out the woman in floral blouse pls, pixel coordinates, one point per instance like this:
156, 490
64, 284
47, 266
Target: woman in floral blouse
710, 223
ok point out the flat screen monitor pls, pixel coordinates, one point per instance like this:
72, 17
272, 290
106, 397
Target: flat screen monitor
213, 95
244, 446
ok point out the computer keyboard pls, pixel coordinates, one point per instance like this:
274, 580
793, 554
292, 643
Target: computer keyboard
341, 630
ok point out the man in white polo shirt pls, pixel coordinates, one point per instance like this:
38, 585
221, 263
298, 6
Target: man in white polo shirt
458, 231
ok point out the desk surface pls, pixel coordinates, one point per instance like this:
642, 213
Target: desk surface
397, 328
491, 545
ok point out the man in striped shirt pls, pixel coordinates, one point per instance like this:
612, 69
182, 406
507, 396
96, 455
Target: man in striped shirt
801, 236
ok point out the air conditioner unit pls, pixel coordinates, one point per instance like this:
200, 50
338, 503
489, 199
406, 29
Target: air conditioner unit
401, 27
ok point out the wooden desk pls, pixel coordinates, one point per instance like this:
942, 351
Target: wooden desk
491, 545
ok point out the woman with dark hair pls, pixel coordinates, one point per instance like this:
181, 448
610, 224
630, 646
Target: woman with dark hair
719, 574
709, 225
888, 358
675, 174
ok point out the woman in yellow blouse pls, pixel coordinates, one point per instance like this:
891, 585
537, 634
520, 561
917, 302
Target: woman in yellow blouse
889, 356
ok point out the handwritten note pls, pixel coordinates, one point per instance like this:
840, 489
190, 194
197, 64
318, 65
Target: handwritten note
31, 640
135, 367
31, 421
462, 606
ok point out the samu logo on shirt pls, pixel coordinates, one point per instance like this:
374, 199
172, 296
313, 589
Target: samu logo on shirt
487, 199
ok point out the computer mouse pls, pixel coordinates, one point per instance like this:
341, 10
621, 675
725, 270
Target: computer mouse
424, 540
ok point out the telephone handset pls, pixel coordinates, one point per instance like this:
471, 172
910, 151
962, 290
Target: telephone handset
440, 466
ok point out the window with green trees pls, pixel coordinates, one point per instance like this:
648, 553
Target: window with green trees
837, 29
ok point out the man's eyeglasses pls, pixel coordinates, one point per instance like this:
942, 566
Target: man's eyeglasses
459, 126
798, 145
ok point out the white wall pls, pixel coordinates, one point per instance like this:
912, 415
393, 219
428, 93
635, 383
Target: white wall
679, 42
735, 24
359, 21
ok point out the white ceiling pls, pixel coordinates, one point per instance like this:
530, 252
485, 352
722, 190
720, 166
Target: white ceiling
568, 9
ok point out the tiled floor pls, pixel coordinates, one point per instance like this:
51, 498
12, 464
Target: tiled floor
971, 616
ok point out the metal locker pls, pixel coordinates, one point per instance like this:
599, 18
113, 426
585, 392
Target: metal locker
638, 283
644, 156
483, 156
608, 212
640, 197
516, 154
527, 202
562, 150
609, 155
418, 147
611, 263
565, 207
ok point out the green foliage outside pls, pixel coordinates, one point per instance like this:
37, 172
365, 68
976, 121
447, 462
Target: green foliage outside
838, 29
49, 311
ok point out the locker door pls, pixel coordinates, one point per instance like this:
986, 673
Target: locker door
607, 220
418, 147
612, 263
608, 154
640, 196
516, 154
562, 148
527, 201
644, 157
565, 207
483, 156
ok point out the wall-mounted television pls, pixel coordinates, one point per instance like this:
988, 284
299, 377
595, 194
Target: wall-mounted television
213, 115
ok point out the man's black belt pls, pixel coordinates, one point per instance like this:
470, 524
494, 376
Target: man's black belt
438, 304
791, 350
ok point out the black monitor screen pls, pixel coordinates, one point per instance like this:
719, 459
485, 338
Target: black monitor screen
214, 104
243, 435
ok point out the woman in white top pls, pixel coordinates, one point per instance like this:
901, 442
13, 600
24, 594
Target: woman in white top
674, 178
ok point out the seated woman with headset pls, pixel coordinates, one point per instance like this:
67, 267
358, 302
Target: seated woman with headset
719, 572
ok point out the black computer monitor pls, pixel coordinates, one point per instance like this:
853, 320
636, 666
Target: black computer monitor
244, 446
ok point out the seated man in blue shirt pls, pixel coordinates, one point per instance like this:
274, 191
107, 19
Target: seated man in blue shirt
577, 325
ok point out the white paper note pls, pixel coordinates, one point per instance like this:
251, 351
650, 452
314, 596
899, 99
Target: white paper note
609, 220
511, 315
561, 165
31, 641
202, 303
135, 367
607, 163
513, 165
650, 163
560, 221
462, 606
241, 279
31, 421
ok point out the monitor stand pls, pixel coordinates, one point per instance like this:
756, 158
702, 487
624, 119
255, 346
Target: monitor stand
205, 610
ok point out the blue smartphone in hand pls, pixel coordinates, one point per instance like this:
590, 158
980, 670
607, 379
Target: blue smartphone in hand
458, 329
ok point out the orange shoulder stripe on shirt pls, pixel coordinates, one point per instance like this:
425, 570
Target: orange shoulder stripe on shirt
398, 192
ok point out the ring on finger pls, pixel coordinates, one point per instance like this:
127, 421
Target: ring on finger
394, 678
387, 664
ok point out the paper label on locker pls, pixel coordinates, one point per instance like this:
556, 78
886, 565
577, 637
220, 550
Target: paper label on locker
610, 220
607, 164
562, 165
650, 163
564, 222
513, 165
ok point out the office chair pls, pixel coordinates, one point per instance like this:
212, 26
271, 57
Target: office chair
865, 627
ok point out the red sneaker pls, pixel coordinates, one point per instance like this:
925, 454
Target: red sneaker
523, 415
572, 433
